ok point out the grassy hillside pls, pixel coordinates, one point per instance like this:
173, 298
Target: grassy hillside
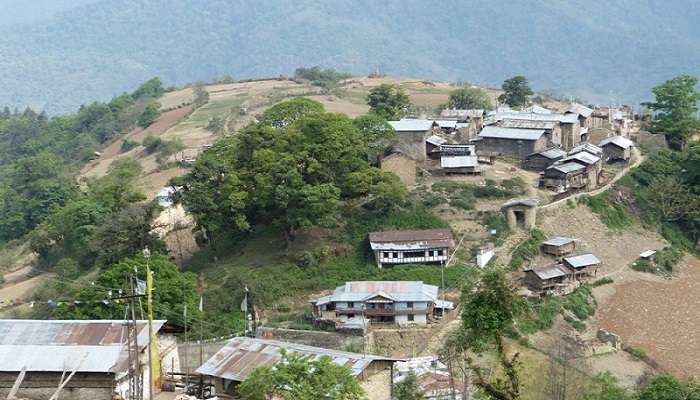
602, 52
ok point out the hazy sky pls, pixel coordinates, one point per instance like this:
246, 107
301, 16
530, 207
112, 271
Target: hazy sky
22, 11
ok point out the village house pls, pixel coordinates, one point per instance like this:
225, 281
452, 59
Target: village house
432, 146
559, 246
582, 266
447, 126
511, 142
569, 131
584, 114
552, 129
242, 355
432, 377
587, 147
520, 213
548, 280
413, 134
400, 164
562, 177
592, 163
50, 349
431, 246
541, 160
471, 116
394, 302
617, 148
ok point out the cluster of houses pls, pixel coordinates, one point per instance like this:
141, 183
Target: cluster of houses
562, 276
458, 141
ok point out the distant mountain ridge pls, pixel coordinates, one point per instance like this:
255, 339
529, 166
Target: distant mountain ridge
602, 52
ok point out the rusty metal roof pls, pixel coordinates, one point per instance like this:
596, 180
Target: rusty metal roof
406, 240
241, 355
394, 290
56, 345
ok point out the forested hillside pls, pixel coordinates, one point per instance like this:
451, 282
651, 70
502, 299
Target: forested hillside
99, 49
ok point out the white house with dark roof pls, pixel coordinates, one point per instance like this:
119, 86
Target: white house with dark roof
429, 246
400, 302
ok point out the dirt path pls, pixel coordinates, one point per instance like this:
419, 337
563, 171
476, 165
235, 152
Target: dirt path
21, 290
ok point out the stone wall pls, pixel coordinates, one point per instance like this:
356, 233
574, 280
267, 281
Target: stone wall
329, 340
41, 385
402, 166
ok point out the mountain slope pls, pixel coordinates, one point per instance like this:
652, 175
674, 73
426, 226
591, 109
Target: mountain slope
612, 52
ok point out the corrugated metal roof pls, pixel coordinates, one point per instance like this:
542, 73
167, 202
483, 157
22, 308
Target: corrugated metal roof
459, 161
558, 241
537, 109
458, 149
567, 167
580, 109
54, 345
527, 124
552, 153
359, 291
241, 355
589, 147
446, 123
583, 156
406, 125
498, 132
523, 115
582, 260
524, 202
400, 240
550, 271
436, 140
618, 141
455, 113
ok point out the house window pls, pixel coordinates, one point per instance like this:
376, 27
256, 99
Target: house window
386, 254
410, 318
409, 304
396, 255
440, 253
351, 304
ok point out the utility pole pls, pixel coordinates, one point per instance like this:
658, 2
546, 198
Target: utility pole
151, 336
135, 376
201, 329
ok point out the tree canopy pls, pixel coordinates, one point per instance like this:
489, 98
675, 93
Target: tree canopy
389, 101
676, 108
516, 91
296, 377
294, 176
469, 98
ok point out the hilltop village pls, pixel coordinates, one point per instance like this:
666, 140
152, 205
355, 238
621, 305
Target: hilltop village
367, 265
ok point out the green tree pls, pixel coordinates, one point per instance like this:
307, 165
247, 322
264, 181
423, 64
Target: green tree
172, 289
469, 98
149, 114
127, 232
201, 95
671, 199
666, 387
297, 377
389, 101
408, 388
516, 91
377, 134
290, 111
676, 108
151, 88
488, 314
604, 387
115, 190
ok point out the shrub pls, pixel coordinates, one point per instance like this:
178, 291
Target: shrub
613, 215
464, 199
128, 145
496, 221
637, 352
602, 281
527, 249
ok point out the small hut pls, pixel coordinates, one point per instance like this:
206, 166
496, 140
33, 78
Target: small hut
559, 246
582, 266
520, 213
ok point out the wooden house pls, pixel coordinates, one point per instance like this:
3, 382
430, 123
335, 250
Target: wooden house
562, 177
617, 148
432, 146
559, 246
428, 246
593, 165
582, 266
582, 112
548, 280
510, 142
541, 160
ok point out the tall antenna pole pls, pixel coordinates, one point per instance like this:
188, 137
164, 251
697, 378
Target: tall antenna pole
136, 376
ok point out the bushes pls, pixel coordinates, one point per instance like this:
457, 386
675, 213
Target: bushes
664, 262
613, 215
538, 315
495, 221
602, 281
127, 145
464, 195
164, 148
527, 249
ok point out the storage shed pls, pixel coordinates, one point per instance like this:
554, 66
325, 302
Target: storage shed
520, 213
559, 246
582, 266
541, 160
617, 148
551, 279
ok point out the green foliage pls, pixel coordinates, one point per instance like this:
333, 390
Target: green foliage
527, 249
296, 377
217, 125
469, 98
67, 269
325, 78
612, 214
290, 111
408, 388
115, 190
465, 195
172, 290
295, 176
580, 303
537, 315
201, 95
602, 281
389, 101
604, 387
127, 145
377, 134
149, 114
637, 352
676, 108
664, 262
496, 221
667, 387
152, 88
516, 91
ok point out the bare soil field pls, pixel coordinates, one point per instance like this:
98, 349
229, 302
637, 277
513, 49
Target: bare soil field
662, 317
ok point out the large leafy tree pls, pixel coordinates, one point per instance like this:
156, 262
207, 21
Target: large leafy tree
516, 91
676, 108
288, 112
296, 377
469, 98
377, 134
294, 176
389, 101
408, 388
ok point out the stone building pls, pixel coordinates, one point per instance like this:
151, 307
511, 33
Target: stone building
593, 165
511, 142
541, 160
564, 177
520, 213
48, 349
413, 134
401, 165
